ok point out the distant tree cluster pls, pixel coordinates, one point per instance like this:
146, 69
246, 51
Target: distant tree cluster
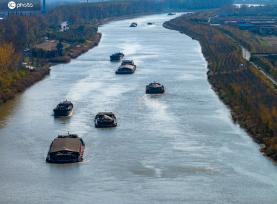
22, 31
97, 11
200, 4
77, 33
244, 10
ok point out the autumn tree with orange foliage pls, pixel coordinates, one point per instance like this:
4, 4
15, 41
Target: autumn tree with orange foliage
8, 58
9, 63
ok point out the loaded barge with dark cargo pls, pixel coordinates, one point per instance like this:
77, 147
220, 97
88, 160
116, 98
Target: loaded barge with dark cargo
126, 67
105, 120
66, 149
63, 109
155, 88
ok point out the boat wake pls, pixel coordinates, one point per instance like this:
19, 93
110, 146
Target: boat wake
83, 88
157, 108
130, 48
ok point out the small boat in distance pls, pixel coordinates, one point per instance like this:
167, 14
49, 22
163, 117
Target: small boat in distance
126, 67
66, 149
133, 25
150, 23
63, 109
171, 14
105, 120
155, 88
116, 57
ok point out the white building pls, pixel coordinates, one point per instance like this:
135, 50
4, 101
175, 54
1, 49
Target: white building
64, 26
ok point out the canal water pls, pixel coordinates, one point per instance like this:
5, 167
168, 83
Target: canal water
181, 147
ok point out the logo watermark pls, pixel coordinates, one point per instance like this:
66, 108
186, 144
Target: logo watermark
12, 5
19, 5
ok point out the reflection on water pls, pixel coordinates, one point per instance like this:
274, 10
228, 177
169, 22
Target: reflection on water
180, 147
7, 109
62, 120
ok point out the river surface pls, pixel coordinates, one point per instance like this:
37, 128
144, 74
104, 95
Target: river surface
181, 147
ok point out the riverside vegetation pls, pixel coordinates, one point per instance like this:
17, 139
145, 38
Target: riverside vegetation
251, 96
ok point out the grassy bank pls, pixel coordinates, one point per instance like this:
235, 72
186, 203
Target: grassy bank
22, 82
249, 94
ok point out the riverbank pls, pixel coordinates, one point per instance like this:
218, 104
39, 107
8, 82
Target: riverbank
23, 83
251, 97
33, 76
77, 50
